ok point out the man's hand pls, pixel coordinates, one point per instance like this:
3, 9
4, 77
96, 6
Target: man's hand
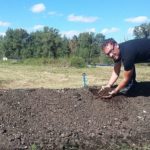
104, 87
111, 94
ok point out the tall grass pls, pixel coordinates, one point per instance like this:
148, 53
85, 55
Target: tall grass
38, 61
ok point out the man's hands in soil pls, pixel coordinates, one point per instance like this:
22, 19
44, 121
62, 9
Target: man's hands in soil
110, 94
104, 87
106, 92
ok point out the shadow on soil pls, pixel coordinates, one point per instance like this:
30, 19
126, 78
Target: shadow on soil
140, 89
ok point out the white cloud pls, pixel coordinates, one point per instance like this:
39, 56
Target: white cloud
130, 31
109, 30
38, 27
4, 24
70, 34
84, 19
139, 19
2, 33
37, 8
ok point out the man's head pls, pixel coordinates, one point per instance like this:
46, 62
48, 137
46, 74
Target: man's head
111, 49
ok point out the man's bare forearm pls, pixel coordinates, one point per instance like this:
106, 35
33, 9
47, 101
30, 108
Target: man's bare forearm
112, 79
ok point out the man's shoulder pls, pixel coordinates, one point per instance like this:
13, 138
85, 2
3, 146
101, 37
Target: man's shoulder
135, 41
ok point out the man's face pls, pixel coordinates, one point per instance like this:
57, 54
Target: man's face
112, 51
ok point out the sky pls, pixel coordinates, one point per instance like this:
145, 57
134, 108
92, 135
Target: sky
113, 18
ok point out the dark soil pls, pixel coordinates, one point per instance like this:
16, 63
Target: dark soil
74, 119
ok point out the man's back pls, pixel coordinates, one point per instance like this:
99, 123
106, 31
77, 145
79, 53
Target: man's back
134, 51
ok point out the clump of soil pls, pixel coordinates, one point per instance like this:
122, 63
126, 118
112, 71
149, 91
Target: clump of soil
104, 92
101, 93
73, 119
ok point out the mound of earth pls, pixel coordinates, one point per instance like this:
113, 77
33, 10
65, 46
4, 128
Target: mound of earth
74, 119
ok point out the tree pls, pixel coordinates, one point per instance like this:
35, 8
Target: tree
73, 45
51, 41
142, 31
85, 41
28, 47
2, 47
89, 45
46, 43
17, 43
13, 42
98, 40
65, 50
37, 43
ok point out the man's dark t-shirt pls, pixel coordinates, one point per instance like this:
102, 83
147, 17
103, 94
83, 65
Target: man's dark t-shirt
134, 51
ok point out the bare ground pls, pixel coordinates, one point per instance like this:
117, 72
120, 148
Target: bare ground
74, 119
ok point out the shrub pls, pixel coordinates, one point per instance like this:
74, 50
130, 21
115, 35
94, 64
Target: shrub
77, 62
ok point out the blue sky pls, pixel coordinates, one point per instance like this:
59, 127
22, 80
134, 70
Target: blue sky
113, 18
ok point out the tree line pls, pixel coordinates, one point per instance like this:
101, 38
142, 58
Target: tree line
48, 43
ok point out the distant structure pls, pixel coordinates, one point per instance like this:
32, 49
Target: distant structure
5, 58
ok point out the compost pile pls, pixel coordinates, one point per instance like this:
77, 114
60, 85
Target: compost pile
74, 119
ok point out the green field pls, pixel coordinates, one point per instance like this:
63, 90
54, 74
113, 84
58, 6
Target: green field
16, 76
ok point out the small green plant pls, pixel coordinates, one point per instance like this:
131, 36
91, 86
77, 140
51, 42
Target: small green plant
33, 147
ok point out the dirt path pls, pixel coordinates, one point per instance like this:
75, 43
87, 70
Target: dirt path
73, 119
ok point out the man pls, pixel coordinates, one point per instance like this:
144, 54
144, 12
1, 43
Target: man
128, 53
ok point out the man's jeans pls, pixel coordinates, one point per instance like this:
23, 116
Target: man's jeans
130, 84
128, 87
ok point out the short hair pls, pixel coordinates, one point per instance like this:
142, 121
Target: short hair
107, 41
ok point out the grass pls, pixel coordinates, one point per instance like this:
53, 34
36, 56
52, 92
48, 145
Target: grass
16, 76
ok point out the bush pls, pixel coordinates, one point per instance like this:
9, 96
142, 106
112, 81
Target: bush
60, 62
77, 62
105, 60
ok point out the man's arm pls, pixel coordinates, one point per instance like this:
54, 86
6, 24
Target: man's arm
115, 74
124, 82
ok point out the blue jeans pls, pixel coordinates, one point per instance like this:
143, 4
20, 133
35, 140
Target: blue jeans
130, 84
